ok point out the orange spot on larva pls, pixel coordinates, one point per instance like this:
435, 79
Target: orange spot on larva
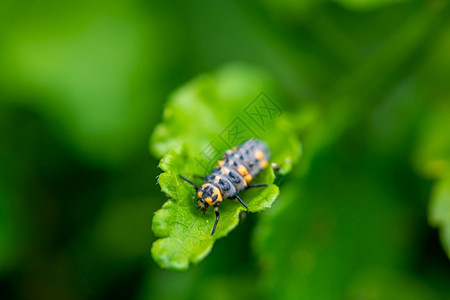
248, 178
259, 154
242, 170
218, 194
263, 163
221, 163
208, 200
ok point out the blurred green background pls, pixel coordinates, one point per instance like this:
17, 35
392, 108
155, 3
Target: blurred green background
83, 84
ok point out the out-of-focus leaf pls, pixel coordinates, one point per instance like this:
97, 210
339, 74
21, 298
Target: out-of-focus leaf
341, 217
206, 112
432, 153
367, 4
111, 235
433, 148
439, 213
374, 283
292, 9
84, 68
8, 233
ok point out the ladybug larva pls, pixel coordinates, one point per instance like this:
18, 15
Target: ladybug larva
235, 171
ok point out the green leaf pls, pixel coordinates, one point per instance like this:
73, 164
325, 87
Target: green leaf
199, 114
439, 213
201, 111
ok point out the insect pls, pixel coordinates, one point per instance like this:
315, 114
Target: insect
233, 174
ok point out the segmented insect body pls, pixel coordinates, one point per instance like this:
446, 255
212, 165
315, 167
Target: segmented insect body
235, 171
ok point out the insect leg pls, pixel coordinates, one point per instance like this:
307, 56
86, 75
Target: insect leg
216, 210
242, 202
256, 185
191, 182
